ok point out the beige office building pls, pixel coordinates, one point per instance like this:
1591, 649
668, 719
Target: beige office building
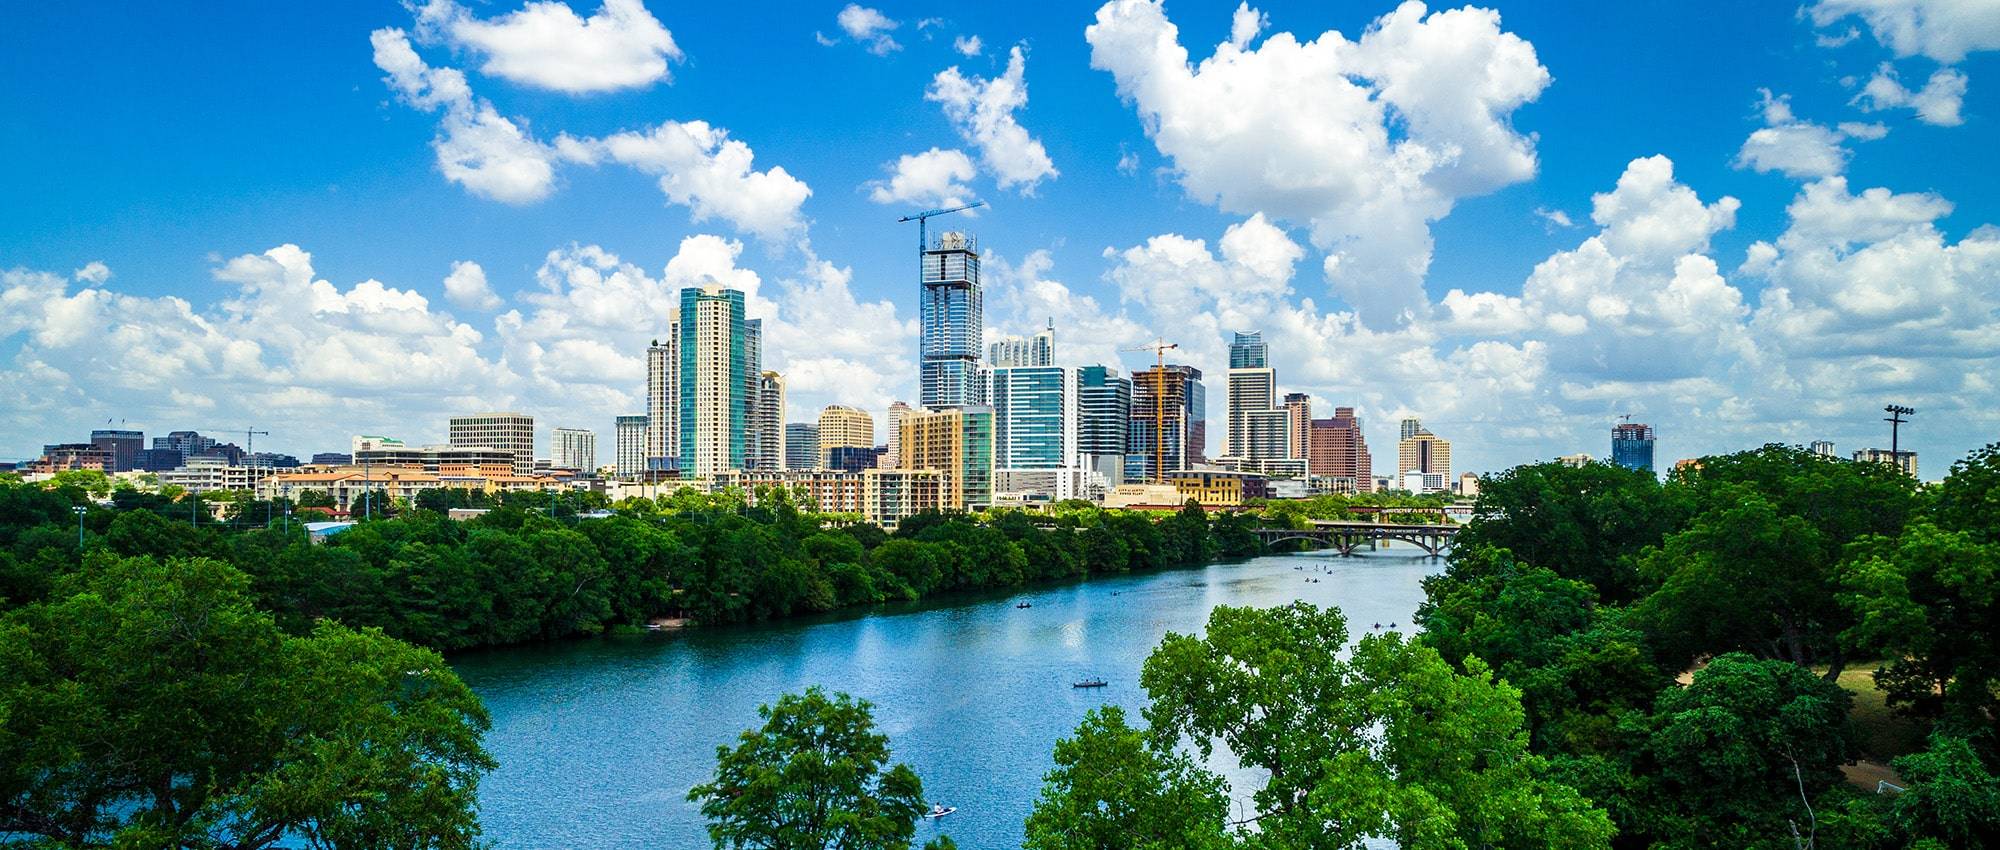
841, 426
508, 432
1422, 451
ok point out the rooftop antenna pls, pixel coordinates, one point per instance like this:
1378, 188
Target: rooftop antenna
921, 218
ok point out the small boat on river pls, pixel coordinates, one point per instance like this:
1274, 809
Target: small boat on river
1024, 605
939, 810
1089, 683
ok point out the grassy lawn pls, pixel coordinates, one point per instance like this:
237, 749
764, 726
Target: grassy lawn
1879, 733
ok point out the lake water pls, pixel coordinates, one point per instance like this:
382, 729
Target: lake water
599, 740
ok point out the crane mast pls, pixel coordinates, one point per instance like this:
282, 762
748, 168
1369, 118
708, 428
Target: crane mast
1159, 348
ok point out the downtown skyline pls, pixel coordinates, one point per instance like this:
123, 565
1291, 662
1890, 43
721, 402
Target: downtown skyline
1732, 279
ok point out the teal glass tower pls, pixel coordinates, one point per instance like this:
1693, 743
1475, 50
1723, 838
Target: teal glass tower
718, 368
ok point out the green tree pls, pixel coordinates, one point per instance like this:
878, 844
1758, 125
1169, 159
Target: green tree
1112, 789
1744, 576
149, 704
1578, 666
1585, 523
1918, 600
91, 481
1968, 499
1737, 755
1390, 741
1953, 799
815, 776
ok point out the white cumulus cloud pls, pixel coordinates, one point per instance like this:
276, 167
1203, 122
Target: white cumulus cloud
1302, 130
1938, 102
1943, 30
701, 167
466, 287
868, 26
983, 110
934, 178
546, 45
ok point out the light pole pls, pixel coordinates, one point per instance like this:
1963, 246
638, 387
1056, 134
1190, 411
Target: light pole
80, 511
1895, 419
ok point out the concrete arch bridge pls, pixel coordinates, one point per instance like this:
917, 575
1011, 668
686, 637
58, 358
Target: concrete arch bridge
1344, 537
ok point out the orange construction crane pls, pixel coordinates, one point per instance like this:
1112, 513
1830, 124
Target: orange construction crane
1159, 348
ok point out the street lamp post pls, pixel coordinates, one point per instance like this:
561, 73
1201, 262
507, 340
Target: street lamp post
80, 511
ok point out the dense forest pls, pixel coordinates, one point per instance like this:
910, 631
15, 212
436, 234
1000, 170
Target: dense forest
1772, 650
530, 570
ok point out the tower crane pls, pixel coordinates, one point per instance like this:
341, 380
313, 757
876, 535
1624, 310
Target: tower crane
1159, 348
923, 217
249, 437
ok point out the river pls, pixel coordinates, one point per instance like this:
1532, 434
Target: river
599, 740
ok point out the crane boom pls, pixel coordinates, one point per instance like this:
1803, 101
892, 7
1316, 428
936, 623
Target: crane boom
923, 217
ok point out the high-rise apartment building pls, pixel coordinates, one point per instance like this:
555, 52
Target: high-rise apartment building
1632, 446
952, 318
802, 446
1823, 448
841, 426
513, 433
716, 375
1298, 426
1168, 428
957, 441
663, 399
1258, 428
1338, 449
1903, 460
1037, 349
1409, 428
897, 410
1103, 421
573, 448
1422, 451
630, 443
766, 430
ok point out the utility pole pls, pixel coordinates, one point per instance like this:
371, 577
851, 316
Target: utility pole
1895, 419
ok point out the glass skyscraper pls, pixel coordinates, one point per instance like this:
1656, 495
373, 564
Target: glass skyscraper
1034, 417
716, 376
953, 321
1632, 446
1103, 416
1248, 351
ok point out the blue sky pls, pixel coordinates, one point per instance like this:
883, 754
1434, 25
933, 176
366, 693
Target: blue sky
183, 149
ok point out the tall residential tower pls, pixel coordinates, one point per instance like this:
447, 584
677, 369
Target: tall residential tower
953, 321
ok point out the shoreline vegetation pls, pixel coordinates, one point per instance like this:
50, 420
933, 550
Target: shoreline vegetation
1607, 661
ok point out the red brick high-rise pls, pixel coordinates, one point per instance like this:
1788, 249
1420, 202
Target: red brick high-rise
1337, 447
